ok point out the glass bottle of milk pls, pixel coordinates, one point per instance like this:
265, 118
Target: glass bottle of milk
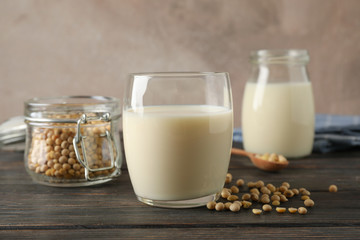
278, 105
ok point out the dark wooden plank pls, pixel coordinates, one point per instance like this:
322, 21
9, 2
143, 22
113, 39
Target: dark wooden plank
29, 208
105, 211
28, 204
240, 232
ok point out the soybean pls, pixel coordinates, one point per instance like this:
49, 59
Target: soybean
302, 210
225, 193
267, 208
255, 197
228, 178
257, 211
275, 198
271, 187
238, 202
265, 190
259, 184
283, 198
265, 200
251, 184
309, 203
219, 206
288, 193
240, 182
280, 209
304, 197
292, 210
234, 207
333, 188
302, 189
283, 188
305, 192
246, 196
255, 190
276, 203
234, 189
286, 184
246, 204
295, 191
232, 198
211, 205
227, 205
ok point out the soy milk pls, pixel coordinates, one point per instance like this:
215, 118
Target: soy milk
278, 117
177, 152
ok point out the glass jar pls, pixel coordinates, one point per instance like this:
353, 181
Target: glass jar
72, 141
278, 105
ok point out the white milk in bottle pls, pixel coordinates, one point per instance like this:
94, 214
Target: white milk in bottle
278, 105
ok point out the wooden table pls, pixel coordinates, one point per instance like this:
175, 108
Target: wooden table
29, 210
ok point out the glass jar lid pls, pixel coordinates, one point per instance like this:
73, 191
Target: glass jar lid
48, 109
12, 134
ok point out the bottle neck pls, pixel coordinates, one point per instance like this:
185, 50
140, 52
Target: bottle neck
279, 73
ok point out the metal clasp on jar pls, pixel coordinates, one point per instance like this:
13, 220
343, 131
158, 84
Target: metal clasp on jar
79, 138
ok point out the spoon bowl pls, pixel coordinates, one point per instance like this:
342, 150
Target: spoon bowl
260, 163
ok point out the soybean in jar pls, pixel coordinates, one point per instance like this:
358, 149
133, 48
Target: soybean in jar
73, 141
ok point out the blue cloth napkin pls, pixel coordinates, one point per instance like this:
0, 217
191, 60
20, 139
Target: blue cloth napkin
332, 133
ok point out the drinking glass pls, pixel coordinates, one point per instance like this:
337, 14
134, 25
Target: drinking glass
178, 135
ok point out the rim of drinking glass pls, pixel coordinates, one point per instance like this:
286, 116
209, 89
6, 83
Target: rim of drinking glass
279, 56
178, 74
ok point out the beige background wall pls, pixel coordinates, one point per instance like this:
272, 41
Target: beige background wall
88, 47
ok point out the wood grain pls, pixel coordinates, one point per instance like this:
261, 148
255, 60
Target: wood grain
244, 232
111, 210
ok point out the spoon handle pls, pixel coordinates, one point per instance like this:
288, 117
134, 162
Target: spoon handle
237, 151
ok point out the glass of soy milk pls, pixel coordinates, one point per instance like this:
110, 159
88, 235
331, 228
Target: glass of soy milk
278, 104
178, 136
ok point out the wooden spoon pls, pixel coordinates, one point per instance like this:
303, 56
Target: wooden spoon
261, 163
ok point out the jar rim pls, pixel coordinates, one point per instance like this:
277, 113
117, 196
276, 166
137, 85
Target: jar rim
40, 107
279, 56
70, 100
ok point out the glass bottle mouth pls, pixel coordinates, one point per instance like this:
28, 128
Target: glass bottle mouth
280, 56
